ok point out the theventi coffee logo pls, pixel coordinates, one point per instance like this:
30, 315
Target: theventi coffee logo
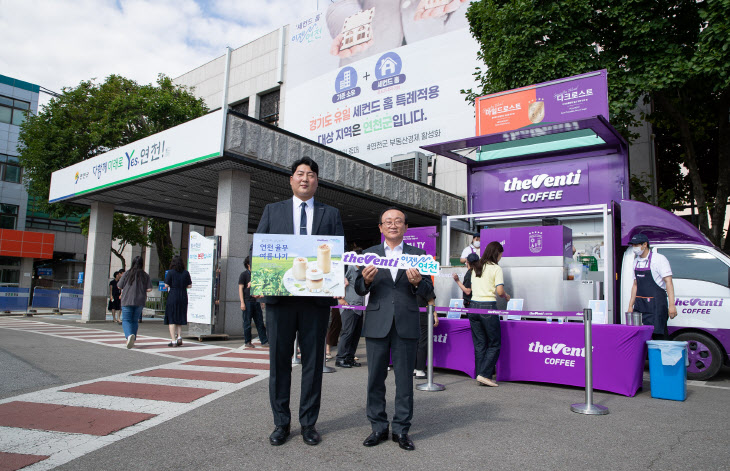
557, 352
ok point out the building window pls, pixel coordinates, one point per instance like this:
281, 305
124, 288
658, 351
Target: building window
9, 276
241, 107
269, 108
58, 225
8, 216
13, 111
10, 170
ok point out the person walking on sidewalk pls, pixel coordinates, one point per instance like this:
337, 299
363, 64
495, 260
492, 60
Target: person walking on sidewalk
135, 284
115, 300
177, 280
250, 308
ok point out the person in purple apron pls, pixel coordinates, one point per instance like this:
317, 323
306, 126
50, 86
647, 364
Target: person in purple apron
652, 286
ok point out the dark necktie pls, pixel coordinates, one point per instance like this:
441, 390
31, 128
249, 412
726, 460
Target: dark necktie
303, 220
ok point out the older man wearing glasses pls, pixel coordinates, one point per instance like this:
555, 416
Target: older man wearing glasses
391, 328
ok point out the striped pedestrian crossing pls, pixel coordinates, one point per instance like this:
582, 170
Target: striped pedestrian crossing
44, 429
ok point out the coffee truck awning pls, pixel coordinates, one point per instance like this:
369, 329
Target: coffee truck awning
590, 134
175, 176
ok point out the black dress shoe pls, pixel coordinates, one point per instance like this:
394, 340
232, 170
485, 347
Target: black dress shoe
343, 364
279, 435
355, 363
376, 438
404, 441
310, 435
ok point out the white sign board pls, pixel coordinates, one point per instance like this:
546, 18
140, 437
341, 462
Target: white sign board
394, 92
184, 144
201, 265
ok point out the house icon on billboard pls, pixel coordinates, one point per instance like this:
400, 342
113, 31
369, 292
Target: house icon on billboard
387, 67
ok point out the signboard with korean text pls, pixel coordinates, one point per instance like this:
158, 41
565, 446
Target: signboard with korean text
425, 264
297, 265
201, 265
567, 99
374, 79
185, 144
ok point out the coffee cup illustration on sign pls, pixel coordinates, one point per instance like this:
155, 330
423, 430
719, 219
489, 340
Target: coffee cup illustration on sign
324, 258
315, 280
299, 269
536, 112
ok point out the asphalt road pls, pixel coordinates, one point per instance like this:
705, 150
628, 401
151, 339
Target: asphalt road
515, 426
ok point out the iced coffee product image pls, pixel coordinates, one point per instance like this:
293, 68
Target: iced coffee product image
299, 269
324, 258
536, 112
315, 280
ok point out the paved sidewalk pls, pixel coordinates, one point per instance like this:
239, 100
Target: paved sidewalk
515, 426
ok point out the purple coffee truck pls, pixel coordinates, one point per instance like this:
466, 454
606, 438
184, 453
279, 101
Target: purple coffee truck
562, 186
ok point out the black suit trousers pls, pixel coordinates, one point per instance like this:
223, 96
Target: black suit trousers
404, 358
284, 320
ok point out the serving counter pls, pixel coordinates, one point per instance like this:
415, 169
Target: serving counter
551, 353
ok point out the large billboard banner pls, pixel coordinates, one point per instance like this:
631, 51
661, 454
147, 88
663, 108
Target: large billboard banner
377, 78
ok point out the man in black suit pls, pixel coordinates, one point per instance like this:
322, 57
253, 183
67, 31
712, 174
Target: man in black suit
287, 316
391, 326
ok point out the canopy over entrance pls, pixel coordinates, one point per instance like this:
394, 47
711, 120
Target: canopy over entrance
187, 190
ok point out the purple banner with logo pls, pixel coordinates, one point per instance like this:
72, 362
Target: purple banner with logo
547, 184
538, 241
421, 237
551, 353
557, 101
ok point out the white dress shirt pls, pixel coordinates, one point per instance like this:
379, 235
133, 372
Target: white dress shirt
393, 253
659, 268
298, 213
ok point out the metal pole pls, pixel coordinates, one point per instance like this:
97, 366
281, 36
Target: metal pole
430, 386
589, 408
294, 359
325, 368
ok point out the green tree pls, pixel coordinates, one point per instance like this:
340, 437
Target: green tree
93, 118
672, 53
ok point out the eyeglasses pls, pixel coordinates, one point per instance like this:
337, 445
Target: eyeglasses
392, 222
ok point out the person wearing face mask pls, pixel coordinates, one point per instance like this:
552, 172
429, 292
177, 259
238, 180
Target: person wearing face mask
471, 248
653, 292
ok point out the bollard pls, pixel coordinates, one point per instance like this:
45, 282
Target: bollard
325, 368
294, 359
588, 407
430, 386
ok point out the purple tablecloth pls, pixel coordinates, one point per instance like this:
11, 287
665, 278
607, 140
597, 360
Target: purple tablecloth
551, 353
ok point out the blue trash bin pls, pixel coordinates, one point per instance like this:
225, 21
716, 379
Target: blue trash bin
668, 369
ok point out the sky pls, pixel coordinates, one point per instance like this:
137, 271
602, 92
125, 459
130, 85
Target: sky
59, 43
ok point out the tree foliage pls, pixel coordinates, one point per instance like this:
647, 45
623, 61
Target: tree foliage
672, 53
93, 118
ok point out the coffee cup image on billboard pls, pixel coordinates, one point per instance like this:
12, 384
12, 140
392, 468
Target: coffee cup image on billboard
312, 276
324, 258
536, 112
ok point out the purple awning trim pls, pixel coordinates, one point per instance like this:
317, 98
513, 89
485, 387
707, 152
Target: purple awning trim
659, 225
